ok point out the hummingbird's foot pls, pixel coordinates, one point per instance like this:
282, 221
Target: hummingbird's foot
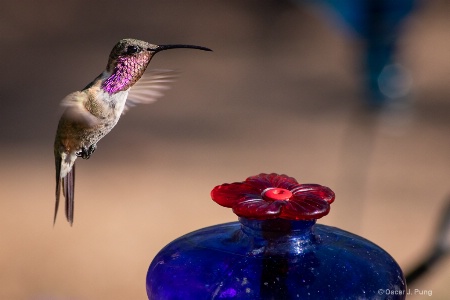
85, 152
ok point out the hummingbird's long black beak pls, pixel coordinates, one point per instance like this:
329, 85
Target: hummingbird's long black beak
166, 47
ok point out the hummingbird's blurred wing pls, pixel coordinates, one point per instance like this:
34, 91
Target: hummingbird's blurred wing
150, 87
76, 110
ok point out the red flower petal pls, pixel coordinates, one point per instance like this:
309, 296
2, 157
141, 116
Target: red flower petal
316, 189
305, 207
230, 194
263, 181
258, 209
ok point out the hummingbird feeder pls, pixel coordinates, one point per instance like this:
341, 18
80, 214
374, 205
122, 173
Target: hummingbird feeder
275, 251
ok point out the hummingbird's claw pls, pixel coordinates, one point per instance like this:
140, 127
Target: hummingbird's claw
85, 152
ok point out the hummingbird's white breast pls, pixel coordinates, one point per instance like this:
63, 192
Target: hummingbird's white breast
112, 107
115, 103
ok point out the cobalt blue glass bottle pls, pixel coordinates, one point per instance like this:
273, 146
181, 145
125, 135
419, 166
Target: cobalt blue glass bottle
275, 251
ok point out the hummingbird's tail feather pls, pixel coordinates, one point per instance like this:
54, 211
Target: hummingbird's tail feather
58, 186
68, 184
65, 180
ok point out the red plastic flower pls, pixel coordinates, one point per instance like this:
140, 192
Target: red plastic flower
271, 196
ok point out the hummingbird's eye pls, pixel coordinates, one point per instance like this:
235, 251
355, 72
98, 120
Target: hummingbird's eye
132, 49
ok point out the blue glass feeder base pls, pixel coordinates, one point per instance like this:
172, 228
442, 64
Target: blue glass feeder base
273, 259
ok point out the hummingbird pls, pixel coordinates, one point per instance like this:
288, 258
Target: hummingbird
91, 113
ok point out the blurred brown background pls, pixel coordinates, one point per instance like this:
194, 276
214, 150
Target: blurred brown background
282, 92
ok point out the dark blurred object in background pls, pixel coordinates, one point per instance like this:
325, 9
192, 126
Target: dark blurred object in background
378, 24
439, 251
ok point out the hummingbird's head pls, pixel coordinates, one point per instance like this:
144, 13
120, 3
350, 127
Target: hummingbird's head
129, 59
130, 52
